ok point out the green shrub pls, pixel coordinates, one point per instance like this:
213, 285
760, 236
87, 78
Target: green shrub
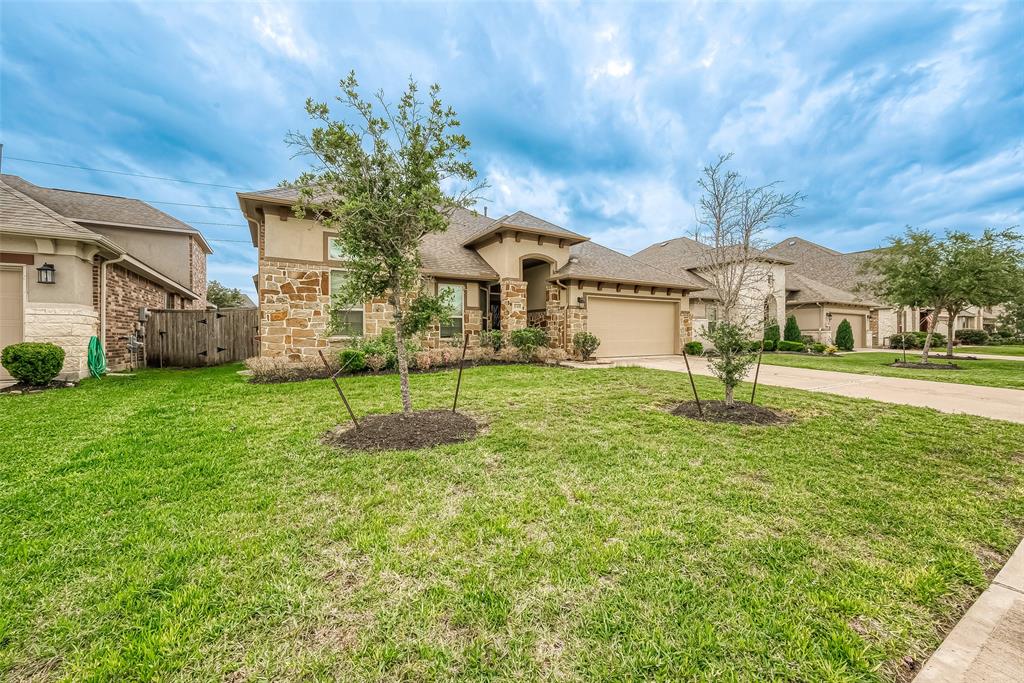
771, 334
492, 339
693, 348
352, 360
844, 335
771, 344
904, 340
33, 363
383, 350
528, 340
791, 346
976, 337
792, 333
818, 347
584, 344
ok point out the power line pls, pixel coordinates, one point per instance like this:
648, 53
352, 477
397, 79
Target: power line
235, 241
230, 225
134, 175
198, 206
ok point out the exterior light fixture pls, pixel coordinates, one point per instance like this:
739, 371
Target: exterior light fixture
47, 274
828, 318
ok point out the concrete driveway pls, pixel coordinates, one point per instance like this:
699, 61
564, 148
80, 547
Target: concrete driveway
999, 404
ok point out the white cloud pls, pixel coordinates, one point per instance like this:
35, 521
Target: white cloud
530, 190
278, 29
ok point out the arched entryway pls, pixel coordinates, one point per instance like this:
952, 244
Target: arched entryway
535, 271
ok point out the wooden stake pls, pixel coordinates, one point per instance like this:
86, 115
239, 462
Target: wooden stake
756, 373
334, 378
458, 384
693, 385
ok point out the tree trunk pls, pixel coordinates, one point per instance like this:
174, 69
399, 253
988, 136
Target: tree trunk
728, 395
403, 364
928, 337
949, 328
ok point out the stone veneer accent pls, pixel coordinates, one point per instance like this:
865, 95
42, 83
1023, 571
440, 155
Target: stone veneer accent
513, 304
126, 293
555, 317
685, 325
69, 326
197, 273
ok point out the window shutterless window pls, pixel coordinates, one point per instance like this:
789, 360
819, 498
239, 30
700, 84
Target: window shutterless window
452, 327
346, 319
335, 252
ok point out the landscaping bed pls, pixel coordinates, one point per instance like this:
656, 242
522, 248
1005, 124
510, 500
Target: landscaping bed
188, 525
925, 366
397, 431
738, 413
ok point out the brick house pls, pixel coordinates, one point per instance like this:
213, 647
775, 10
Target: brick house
74, 265
505, 273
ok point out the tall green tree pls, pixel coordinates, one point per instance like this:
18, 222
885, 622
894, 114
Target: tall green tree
979, 271
792, 331
383, 178
222, 296
844, 335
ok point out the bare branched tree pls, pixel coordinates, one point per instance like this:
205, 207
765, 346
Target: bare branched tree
731, 219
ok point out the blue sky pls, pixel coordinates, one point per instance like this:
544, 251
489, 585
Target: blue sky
596, 117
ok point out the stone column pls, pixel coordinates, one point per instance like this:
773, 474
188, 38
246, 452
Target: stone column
513, 304
554, 313
685, 326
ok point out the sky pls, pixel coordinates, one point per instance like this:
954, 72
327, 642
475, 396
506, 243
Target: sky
596, 117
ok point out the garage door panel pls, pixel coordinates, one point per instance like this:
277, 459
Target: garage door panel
11, 309
633, 327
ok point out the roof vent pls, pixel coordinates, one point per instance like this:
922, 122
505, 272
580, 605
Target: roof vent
792, 243
664, 244
574, 259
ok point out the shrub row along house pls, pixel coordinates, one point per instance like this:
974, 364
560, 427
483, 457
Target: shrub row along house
74, 265
519, 270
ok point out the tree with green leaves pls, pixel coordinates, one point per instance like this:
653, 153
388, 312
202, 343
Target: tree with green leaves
771, 331
384, 177
792, 331
222, 296
979, 271
733, 356
844, 335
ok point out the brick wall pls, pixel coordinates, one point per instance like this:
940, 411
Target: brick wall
197, 272
126, 292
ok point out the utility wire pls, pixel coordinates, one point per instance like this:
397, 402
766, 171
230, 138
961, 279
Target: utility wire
235, 241
134, 175
198, 206
230, 225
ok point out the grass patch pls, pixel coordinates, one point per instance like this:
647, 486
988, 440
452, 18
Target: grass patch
1008, 350
1008, 374
187, 525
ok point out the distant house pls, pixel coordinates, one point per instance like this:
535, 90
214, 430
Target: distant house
505, 273
74, 265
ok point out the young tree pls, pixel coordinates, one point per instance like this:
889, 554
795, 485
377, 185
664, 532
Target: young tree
383, 180
223, 297
792, 331
979, 271
733, 357
731, 218
844, 335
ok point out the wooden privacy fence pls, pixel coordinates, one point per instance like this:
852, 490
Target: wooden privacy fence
188, 339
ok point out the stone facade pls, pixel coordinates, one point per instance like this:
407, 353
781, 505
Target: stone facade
126, 292
513, 304
197, 273
554, 317
294, 304
685, 326
69, 326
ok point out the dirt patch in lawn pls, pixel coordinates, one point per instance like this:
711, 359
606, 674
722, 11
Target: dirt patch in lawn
737, 413
925, 366
400, 432
20, 388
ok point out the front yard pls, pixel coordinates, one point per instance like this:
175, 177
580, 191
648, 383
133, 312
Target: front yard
185, 524
1008, 374
1007, 350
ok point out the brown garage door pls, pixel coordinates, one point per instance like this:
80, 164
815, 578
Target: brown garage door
11, 309
633, 327
856, 324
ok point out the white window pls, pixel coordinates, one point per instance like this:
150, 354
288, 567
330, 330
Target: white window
335, 252
346, 319
712, 310
452, 327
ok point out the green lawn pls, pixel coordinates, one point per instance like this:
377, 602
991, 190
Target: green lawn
187, 525
1008, 350
990, 373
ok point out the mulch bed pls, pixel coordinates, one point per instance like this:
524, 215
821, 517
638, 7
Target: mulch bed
20, 388
737, 413
925, 366
400, 432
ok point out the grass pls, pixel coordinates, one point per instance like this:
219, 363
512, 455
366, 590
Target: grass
187, 525
1008, 374
1008, 350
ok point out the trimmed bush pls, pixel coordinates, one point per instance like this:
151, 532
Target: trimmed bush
352, 360
528, 340
818, 347
771, 344
693, 348
34, 363
831, 350
975, 337
792, 333
791, 346
915, 340
844, 335
772, 334
584, 344
492, 339
905, 340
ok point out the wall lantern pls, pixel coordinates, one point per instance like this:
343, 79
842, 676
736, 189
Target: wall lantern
828, 318
47, 274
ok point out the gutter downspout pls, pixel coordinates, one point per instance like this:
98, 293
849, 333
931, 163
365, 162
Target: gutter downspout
103, 298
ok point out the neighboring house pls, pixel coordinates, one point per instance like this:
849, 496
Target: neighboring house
76, 265
505, 273
764, 298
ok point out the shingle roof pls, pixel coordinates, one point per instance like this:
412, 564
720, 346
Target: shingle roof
443, 253
592, 261
21, 214
86, 207
526, 221
811, 291
837, 270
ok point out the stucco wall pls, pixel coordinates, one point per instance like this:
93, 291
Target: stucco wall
72, 261
536, 283
166, 252
293, 239
506, 256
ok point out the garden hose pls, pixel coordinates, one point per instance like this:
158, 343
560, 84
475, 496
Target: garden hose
97, 361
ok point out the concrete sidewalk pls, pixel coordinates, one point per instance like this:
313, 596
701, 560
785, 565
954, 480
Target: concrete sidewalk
988, 642
946, 397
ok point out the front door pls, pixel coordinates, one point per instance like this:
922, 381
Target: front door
12, 309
